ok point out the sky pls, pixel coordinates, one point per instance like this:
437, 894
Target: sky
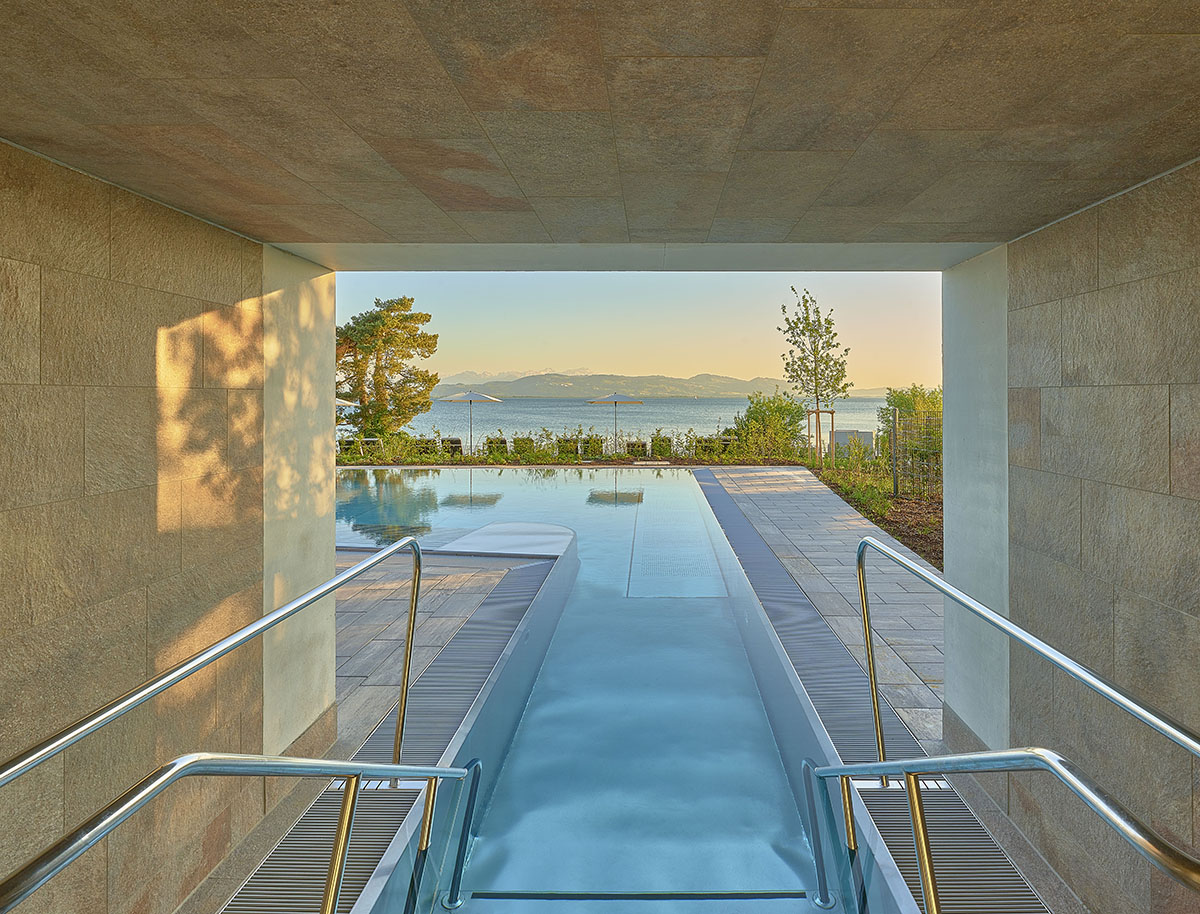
675, 324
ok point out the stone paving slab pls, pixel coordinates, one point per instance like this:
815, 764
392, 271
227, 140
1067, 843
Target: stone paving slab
815, 535
372, 622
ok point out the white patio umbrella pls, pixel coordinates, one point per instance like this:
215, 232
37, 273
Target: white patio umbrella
470, 397
338, 401
614, 399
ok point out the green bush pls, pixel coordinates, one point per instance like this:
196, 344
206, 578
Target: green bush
593, 447
660, 445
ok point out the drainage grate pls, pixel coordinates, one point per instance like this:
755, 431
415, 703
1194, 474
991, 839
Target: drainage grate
974, 874
837, 685
292, 877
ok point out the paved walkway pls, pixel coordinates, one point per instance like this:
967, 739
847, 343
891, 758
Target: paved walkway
372, 618
815, 533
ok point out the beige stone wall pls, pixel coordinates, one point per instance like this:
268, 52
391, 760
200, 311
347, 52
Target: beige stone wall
131, 519
1104, 518
298, 456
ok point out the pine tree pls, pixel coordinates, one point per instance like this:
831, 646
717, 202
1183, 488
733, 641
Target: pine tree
374, 354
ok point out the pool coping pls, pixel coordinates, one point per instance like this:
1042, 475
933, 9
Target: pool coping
825, 678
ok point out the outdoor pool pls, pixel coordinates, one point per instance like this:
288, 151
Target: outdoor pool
645, 764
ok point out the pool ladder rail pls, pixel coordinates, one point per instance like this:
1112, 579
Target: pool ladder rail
1173, 861
43, 867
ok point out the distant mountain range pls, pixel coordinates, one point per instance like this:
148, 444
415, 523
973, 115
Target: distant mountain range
583, 386
479, 377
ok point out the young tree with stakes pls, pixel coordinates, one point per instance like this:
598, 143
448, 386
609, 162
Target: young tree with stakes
815, 364
374, 354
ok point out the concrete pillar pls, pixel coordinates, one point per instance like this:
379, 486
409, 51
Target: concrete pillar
975, 441
298, 500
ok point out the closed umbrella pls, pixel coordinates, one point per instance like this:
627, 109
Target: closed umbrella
470, 397
614, 399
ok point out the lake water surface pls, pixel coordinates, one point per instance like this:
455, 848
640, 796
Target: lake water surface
676, 414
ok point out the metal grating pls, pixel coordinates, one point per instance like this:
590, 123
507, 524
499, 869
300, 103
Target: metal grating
837, 685
292, 877
974, 873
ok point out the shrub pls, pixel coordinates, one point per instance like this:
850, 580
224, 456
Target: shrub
496, 445
660, 445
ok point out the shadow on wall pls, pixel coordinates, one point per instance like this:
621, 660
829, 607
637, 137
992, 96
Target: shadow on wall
298, 497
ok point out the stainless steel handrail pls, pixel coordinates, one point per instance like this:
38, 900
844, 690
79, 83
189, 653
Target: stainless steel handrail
1177, 864
50, 747
1156, 720
23, 883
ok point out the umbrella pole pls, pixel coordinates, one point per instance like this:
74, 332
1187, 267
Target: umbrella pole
470, 428
614, 428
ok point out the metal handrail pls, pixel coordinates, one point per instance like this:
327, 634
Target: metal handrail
52, 746
1179, 865
1170, 859
1156, 720
38, 871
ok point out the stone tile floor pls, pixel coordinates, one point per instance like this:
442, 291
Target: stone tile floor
815, 534
372, 617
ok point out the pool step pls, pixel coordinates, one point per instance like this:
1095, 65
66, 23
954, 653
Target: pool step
636, 896
637, 903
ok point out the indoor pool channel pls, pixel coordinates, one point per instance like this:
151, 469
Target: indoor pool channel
656, 762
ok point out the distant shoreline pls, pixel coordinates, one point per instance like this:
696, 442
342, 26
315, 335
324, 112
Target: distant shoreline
864, 396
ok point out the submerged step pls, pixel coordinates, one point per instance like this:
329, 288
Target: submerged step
620, 903
638, 896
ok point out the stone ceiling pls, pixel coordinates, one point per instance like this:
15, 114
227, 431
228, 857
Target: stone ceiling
460, 121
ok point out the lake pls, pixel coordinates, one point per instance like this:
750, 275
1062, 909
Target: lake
675, 414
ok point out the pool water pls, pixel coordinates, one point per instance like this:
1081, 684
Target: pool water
644, 762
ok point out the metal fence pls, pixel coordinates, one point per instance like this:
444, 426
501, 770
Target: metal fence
913, 448
905, 455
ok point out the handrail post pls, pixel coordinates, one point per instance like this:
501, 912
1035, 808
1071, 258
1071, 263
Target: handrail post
822, 898
453, 899
427, 814
414, 595
916, 810
861, 563
341, 845
848, 813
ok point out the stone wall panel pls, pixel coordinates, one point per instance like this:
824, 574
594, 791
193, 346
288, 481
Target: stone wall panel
1142, 332
1034, 353
131, 524
20, 307
1025, 427
1185, 440
1118, 453
1153, 229
1058, 261
1045, 510
1118, 435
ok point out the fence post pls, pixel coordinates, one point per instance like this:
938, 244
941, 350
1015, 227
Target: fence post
895, 447
832, 443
